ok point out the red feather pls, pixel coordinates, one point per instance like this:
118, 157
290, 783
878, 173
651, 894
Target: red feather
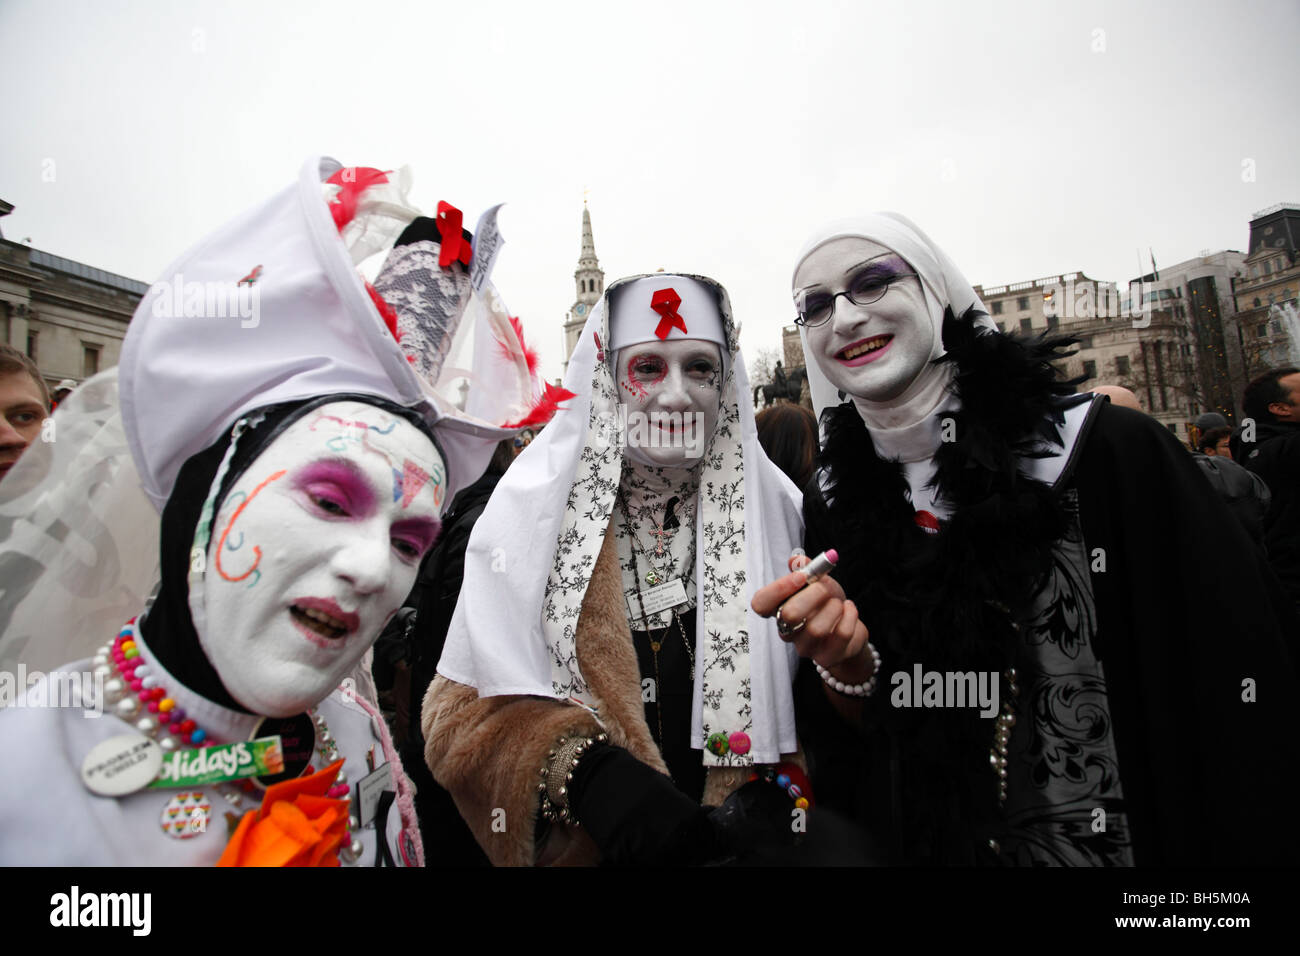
386, 311
530, 354
544, 408
353, 181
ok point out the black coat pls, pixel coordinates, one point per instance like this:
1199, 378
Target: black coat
1245, 493
447, 839
1275, 458
1185, 617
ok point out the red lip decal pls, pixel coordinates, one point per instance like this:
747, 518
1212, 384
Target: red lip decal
926, 522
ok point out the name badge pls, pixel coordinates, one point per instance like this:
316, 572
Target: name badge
368, 790
661, 597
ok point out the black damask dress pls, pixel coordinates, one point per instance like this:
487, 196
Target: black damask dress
1135, 738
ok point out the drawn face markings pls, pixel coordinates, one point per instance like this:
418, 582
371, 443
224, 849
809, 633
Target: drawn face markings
644, 371
223, 544
316, 524
677, 385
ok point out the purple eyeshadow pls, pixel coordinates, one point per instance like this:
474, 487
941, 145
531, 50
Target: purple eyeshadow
345, 476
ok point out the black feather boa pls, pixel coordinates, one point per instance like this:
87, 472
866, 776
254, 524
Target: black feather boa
947, 601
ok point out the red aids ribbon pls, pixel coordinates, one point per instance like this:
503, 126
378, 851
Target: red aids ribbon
665, 302
454, 245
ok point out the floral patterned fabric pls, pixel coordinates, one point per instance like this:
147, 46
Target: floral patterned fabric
722, 651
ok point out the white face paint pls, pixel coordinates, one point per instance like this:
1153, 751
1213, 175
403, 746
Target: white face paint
673, 394
314, 549
875, 351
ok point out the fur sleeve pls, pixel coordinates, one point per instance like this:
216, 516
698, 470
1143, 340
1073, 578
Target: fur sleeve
487, 753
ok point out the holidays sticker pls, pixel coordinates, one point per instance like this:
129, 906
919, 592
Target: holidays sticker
192, 768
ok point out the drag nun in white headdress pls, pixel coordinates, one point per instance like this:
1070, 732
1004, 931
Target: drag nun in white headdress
606, 592
300, 459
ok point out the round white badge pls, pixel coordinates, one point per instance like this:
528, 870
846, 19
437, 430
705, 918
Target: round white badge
186, 815
121, 765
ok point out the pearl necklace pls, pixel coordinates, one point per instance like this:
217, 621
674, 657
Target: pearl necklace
136, 687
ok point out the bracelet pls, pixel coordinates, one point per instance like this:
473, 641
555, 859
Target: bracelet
782, 775
558, 774
853, 690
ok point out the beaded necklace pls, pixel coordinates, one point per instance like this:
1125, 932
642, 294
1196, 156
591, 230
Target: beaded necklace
138, 697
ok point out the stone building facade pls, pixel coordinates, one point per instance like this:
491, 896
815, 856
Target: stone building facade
68, 317
1266, 327
1110, 348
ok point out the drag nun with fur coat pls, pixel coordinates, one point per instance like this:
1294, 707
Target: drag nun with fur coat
604, 674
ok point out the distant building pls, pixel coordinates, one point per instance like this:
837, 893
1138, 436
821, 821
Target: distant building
1118, 345
1266, 327
589, 280
792, 356
1198, 296
69, 318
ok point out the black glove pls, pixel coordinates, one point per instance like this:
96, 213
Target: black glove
636, 816
756, 816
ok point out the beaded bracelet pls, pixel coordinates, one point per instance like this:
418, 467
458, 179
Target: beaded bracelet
853, 690
781, 775
557, 774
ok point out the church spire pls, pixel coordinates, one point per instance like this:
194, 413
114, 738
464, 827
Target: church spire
588, 277
589, 282
587, 260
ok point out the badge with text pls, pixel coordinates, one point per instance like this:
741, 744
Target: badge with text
658, 598
368, 790
238, 761
121, 765
487, 243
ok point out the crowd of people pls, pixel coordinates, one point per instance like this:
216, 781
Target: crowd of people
963, 615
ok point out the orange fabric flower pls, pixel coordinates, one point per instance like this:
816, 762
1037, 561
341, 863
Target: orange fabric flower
297, 825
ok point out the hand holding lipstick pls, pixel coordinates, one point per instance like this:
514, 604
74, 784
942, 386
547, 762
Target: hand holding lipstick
813, 614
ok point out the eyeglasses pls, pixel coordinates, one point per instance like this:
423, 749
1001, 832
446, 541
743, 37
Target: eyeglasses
865, 288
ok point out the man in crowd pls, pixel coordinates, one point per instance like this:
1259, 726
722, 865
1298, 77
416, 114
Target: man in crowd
1268, 444
1244, 492
24, 404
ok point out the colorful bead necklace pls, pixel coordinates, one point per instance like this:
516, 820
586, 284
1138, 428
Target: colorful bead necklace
137, 697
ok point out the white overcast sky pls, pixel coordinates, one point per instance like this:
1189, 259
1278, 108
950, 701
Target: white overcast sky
1027, 138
